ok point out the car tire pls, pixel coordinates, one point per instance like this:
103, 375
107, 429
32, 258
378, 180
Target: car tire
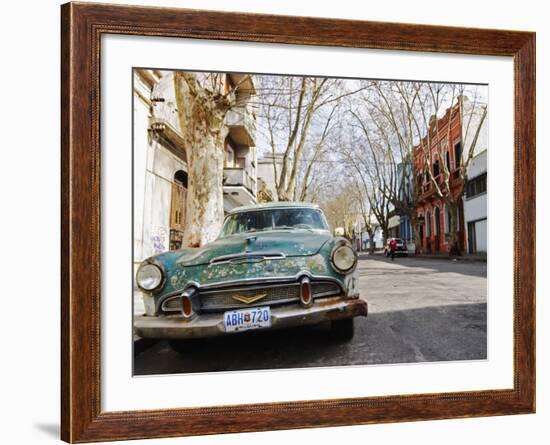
181, 346
342, 329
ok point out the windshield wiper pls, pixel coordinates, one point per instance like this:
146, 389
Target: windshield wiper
298, 226
283, 227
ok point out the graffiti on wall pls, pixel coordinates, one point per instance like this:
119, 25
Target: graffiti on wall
159, 240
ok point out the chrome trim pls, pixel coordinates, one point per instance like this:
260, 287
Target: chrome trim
306, 282
189, 294
235, 257
295, 277
251, 283
337, 246
251, 287
326, 294
153, 262
206, 305
166, 300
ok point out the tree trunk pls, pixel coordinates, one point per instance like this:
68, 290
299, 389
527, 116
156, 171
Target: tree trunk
385, 231
201, 114
413, 217
371, 241
204, 216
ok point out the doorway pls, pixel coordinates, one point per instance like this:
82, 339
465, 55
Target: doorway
472, 242
437, 216
177, 209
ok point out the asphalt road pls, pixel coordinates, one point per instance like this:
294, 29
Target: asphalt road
420, 310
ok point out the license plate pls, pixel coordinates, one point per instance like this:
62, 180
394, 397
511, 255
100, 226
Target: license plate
245, 319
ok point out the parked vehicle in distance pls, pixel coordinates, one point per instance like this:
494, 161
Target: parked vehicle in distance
273, 266
400, 248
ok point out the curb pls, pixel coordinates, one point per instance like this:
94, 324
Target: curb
433, 257
452, 258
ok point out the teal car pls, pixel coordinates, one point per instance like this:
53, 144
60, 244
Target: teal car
273, 266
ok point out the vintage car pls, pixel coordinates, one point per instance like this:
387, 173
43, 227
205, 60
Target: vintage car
273, 266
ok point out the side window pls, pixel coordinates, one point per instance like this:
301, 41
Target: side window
476, 186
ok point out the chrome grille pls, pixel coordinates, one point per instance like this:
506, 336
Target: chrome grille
218, 300
324, 289
172, 304
221, 300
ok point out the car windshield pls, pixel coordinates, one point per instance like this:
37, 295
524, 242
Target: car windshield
274, 219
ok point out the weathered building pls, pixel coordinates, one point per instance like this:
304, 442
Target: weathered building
448, 141
267, 181
161, 162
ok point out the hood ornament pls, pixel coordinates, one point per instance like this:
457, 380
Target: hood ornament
248, 300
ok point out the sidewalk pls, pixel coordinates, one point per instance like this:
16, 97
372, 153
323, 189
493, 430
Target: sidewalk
476, 257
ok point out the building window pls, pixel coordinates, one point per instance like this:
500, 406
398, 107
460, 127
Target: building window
458, 154
436, 168
229, 160
448, 161
428, 224
476, 186
180, 177
437, 225
447, 220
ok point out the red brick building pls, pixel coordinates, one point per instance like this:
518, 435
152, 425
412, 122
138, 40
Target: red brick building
433, 214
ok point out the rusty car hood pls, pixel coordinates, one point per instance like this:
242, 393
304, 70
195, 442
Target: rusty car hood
289, 243
303, 251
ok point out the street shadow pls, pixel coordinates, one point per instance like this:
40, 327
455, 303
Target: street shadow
439, 333
434, 265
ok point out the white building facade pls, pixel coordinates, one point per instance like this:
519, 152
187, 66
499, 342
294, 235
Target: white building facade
160, 162
475, 205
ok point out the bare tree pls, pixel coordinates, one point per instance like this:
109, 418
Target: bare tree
367, 163
382, 114
299, 114
341, 210
202, 104
369, 223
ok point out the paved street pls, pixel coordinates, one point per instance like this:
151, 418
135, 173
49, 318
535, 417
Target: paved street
419, 310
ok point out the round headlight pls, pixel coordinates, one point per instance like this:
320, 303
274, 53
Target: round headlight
149, 277
343, 258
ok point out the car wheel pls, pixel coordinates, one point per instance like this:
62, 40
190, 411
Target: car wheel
181, 346
342, 329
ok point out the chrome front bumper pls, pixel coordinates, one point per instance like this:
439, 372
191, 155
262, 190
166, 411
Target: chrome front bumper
211, 324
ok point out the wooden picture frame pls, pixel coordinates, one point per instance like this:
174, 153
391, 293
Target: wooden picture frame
82, 26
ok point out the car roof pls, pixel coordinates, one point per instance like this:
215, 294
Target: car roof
274, 205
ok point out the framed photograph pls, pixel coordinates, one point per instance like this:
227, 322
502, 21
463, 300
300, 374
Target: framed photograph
275, 222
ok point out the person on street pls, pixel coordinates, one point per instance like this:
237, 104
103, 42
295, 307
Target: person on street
393, 246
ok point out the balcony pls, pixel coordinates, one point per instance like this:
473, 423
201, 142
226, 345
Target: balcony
165, 122
238, 177
238, 187
427, 192
242, 125
243, 83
